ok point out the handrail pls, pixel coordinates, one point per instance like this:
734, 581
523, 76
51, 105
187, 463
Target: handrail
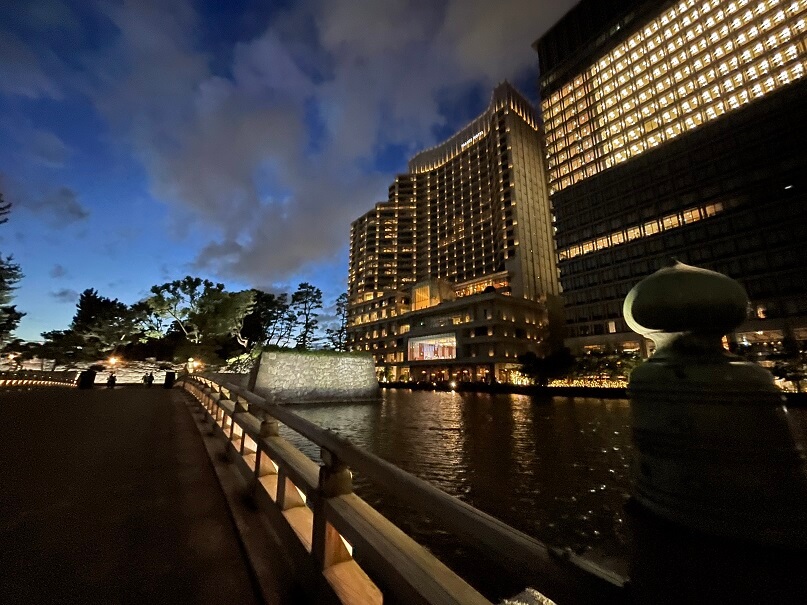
459, 516
34, 378
564, 575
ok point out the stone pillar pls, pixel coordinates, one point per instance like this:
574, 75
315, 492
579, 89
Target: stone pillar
716, 448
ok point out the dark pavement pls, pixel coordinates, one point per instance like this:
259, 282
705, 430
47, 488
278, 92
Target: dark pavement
108, 496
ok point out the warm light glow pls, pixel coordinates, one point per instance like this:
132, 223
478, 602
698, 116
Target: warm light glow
113, 360
681, 70
439, 346
609, 383
665, 223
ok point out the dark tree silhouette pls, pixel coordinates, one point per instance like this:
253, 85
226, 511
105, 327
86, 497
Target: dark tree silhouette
337, 337
104, 324
304, 303
5, 208
263, 326
10, 274
543, 369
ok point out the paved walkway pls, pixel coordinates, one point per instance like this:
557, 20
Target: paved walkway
108, 496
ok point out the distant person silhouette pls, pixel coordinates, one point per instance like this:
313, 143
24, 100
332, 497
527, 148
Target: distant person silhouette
110, 382
145, 378
149, 380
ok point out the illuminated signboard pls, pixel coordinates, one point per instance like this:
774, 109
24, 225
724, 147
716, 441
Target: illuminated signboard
473, 139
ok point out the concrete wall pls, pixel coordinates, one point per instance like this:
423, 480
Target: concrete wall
300, 377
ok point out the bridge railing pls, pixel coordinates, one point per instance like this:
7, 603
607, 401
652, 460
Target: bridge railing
27, 378
318, 503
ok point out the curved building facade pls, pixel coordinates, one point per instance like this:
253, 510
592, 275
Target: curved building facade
470, 214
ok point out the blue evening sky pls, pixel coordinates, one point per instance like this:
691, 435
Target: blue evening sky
141, 141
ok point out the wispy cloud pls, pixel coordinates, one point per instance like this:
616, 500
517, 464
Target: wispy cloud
57, 271
58, 207
65, 295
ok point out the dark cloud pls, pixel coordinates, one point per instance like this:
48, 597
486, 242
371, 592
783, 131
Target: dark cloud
58, 207
268, 160
65, 295
57, 271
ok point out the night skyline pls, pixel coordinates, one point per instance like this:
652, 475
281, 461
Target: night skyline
142, 142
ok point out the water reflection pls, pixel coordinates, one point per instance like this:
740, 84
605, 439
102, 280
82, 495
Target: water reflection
556, 469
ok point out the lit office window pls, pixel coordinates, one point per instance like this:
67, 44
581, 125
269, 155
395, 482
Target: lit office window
692, 64
666, 223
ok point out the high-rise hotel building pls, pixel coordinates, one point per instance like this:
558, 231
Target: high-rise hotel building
452, 277
678, 129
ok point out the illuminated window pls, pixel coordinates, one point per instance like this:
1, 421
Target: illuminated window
669, 69
441, 346
671, 221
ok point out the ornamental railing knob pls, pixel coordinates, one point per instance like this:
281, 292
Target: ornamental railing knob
716, 448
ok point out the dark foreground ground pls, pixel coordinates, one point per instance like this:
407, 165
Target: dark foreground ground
108, 496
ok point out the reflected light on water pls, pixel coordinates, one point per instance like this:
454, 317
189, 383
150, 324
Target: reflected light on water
556, 469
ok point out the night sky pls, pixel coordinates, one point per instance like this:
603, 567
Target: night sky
142, 141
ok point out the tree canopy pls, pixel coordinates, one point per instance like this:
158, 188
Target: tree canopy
192, 317
104, 324
305, 302
10, 275
337, 337
181, 300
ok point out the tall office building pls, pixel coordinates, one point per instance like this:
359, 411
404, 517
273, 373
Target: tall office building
470, 218
677, 129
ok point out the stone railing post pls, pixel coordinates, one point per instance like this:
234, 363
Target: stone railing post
716, 448
335, 479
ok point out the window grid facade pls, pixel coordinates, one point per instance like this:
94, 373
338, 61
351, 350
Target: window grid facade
696, 61
470, 214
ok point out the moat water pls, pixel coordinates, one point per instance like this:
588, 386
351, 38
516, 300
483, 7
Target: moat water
555, 468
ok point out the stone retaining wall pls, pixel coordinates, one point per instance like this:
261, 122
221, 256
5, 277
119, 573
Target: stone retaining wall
304, 377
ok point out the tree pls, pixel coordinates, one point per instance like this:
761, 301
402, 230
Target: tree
10, 274
222, 313
337, 337
5, 208
286, 326
17, 351
180, 301
150, 322
304, 303
543, 369
63, 347
264, 325
104, 324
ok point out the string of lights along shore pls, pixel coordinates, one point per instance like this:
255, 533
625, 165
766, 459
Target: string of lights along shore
666, 129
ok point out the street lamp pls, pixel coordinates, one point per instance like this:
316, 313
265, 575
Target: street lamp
113, 361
